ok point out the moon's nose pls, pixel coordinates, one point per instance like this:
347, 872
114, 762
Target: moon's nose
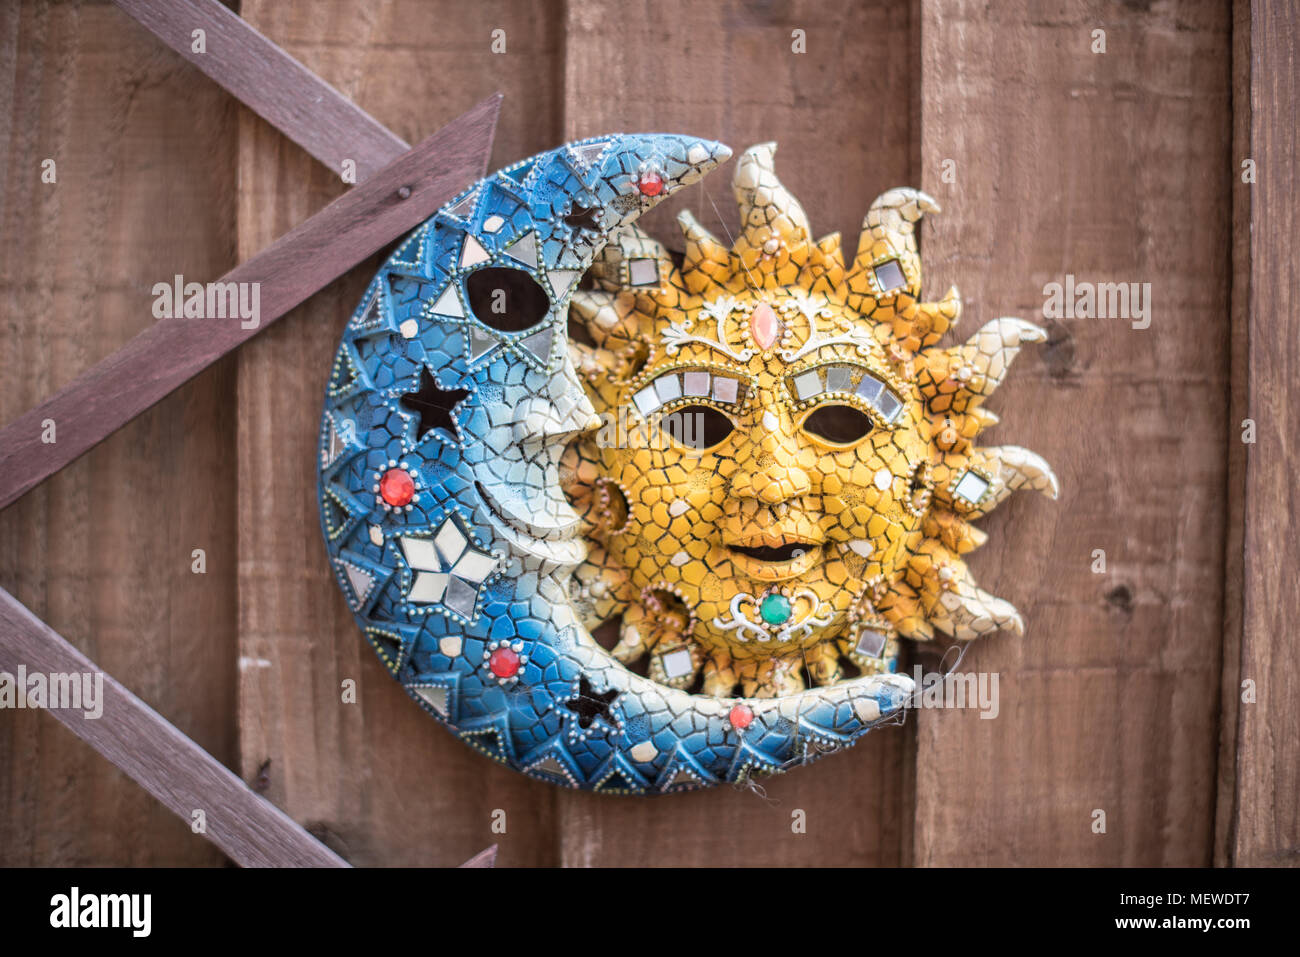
536, 419
565, 411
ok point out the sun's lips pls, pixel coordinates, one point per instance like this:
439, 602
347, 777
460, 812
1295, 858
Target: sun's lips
785, 552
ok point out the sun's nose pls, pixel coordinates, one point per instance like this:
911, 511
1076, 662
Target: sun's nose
768, 462
769, 472
771, 486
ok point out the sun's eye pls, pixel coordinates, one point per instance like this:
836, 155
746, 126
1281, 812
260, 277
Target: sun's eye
838, 424
698, 427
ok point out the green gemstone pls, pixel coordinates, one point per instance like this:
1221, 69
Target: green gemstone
775, 609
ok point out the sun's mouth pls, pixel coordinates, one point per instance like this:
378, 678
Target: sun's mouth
774, 558
786, 552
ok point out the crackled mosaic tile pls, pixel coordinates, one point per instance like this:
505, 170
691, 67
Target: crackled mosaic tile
757, 468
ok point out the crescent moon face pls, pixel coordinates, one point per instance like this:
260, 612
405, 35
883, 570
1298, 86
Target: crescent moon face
451, 400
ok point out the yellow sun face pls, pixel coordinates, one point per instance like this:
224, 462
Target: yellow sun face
783, 480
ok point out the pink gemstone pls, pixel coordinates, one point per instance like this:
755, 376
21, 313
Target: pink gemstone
764, 326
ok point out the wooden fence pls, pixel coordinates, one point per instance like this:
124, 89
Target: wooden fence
1049, 158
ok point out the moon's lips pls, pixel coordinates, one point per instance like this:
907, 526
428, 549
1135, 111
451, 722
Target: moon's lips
564, 549
458, 569
544, 518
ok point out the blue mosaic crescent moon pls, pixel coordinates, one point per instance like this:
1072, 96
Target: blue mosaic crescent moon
441, 507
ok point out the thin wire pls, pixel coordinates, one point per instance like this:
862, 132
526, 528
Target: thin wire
753, 284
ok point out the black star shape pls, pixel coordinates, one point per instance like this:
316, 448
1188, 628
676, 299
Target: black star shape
434, 405
583, 217
589, 705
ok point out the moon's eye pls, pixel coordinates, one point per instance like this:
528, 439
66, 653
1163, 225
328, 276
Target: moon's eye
698, 427
838, 424
507, 300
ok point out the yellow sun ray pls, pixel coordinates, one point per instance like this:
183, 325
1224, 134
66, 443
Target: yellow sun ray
780, 347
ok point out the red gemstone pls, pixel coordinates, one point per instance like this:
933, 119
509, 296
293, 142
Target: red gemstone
397, 487
741, 717
504, 663
650, 184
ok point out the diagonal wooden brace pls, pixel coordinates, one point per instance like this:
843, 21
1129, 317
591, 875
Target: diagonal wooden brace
251, 830
143, 744
172, 351
271, 83
409, 187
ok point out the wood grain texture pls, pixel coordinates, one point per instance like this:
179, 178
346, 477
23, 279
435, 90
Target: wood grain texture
103, 551
146, 747
841, 115
1225, 808
1111, 167
303, 260
379, 780
1266, 826
273, 84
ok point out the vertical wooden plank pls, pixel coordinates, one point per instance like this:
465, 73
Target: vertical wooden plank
378, 780
841, 114
103, 551
1225, 807
1266, 825
1111, 167
907, 824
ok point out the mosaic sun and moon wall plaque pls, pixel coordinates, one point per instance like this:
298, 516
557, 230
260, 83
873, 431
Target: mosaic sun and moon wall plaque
754, 464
